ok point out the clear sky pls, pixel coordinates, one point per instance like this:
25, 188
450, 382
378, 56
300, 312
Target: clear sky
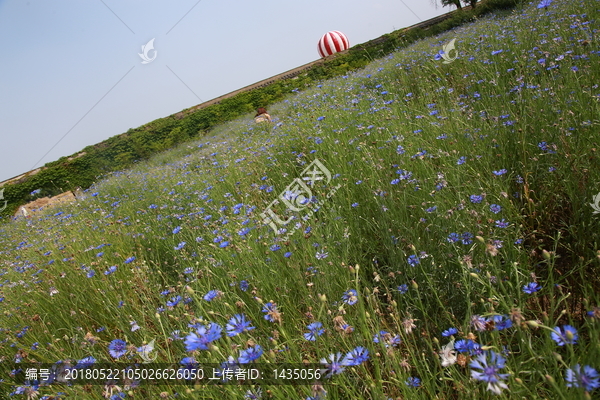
70, 70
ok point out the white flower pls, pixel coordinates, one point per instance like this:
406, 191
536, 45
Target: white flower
448, 354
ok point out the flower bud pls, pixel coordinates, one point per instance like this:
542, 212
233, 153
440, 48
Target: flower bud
546, 255
323, 298
189, 290
550, 379
482, 240
569, 335
533, 324
414, 285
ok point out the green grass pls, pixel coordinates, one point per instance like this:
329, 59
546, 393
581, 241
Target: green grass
392, 137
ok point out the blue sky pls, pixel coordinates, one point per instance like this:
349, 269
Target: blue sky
70, 69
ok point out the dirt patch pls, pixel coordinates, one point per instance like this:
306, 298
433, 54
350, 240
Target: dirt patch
45, 202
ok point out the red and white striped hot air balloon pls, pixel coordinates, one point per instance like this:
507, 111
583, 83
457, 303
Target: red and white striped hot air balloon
333, 42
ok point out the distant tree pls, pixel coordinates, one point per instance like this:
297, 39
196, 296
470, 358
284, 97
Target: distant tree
445, 3
471, 3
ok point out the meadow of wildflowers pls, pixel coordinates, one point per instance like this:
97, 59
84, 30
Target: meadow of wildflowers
457, 260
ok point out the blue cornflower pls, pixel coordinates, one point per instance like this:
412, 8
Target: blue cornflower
250, 354
497, 52
203, 337
180, 246
495, 208
531, 288
91, 273
321, 255
463, 345
287, 254
315, 330
211, 295
502, 223
272, 314
334, 366
354, 204
244, 285
256, 393
400, 150
475, 198
413, 260
413, 381
355, 357
188, 270
176, 230
224, 244
350, 297
275, 247
566, 335
130, 259
461, 160
453, 237
403, 288
544, 3
174, 301
500, 322
188, 363
500, 172
117, 348
238, 324
431, 209
100, 254
544, 147
490, 363
110, 270
467, 238
588, 379
86, 362
449, 332
404, 174
387, 338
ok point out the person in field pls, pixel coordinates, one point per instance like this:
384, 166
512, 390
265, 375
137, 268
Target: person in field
262, 115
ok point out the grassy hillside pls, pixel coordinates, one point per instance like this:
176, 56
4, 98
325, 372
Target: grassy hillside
124, 150
450, 214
